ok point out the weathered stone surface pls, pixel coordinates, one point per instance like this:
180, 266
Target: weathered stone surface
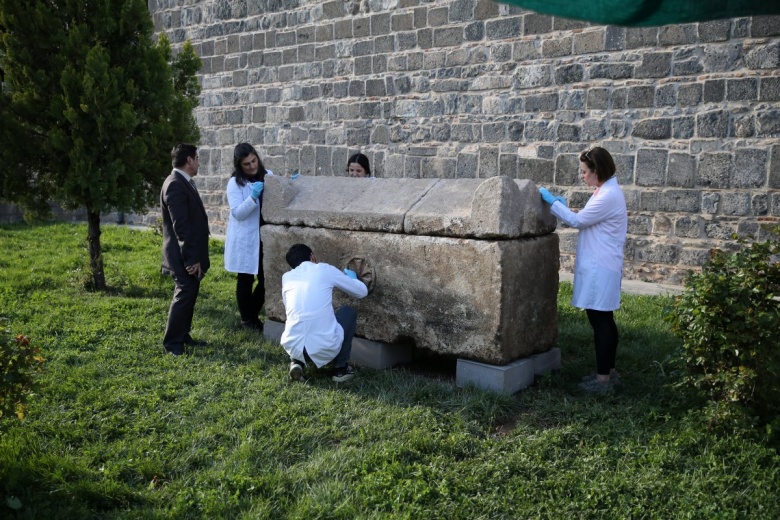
341, 202
660, 128
774, 168
494, 208
764, 57
651, 167
490, 301
497, 207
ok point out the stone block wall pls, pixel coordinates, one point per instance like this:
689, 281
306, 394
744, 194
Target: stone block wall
474, 88
10, 214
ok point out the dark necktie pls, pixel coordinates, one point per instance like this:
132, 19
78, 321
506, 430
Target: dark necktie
192, 182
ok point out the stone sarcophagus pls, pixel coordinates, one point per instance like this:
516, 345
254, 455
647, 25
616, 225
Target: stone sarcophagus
465, 267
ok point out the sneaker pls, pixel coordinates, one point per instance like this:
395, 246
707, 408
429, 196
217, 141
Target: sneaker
614, 377
342, 374
594, 387
296, 371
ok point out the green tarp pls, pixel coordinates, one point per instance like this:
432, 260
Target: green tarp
649, 12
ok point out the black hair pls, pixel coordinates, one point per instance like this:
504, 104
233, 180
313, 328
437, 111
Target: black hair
599, 160
298, 254
241, 152
362, 160
181, 152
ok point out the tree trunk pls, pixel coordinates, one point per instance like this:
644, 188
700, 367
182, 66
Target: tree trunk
95, 254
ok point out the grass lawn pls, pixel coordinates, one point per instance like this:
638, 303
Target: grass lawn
119, 430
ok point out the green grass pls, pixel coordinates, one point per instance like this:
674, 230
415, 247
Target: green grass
119, 430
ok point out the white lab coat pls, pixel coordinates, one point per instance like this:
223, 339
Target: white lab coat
307, 293
598, 268
242, 240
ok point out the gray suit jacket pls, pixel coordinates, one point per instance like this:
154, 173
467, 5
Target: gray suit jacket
185, 227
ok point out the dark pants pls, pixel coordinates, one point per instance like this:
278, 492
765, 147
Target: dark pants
250, 302
605, 336
347, 318
177, 330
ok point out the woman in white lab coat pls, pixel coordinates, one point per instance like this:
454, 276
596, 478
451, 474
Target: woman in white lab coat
598, 267
243, 248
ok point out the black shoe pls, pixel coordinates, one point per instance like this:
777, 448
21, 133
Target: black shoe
296, 371
175, 349
194, 342
342, 374
252, 325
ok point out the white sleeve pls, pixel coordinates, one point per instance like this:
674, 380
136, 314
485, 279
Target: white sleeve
240, 207
597, 209
349, 285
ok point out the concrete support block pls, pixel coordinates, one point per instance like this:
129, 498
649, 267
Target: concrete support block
365, 353
378, 355
506, 379
272, 331
546, 362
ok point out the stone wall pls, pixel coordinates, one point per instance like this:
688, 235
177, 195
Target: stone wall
473, 88
10, 214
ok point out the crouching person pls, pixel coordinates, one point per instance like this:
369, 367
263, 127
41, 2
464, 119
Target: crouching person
313, 333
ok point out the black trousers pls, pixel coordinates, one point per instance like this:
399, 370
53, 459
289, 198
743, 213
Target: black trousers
250, 300
185, 294
347, 318
605, 336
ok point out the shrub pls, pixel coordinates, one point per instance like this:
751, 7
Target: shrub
19, 363
728, 318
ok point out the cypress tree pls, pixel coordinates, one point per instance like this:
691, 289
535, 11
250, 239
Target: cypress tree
91, 107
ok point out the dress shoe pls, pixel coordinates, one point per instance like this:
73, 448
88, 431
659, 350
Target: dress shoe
176, 349
253, 325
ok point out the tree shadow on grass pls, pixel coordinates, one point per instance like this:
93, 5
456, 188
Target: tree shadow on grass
74, 492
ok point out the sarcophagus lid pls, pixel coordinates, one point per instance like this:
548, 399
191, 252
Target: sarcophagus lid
497, 207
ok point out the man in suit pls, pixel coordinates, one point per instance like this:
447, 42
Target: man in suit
185, 249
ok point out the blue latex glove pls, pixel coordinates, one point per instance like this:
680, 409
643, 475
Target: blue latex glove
547, 196
257, 189
295, 176
561, 200
352, 274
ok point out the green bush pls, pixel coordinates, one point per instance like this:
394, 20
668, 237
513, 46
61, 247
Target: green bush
728, 318
19, 362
